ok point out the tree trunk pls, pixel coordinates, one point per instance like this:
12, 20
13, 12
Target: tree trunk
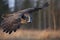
53, 13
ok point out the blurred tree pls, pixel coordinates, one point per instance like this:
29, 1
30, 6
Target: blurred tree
57, 13
3, 8
49, 16
27, 4
53, 13
18, 4
39, 15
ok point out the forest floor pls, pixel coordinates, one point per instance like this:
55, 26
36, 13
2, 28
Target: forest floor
31, 35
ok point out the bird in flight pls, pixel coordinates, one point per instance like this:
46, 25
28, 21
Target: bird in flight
12, 22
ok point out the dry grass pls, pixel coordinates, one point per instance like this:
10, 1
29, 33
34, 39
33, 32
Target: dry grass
33, 34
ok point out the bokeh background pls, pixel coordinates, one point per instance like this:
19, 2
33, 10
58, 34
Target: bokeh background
43, 20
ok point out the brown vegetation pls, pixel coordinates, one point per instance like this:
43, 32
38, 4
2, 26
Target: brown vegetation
30, 34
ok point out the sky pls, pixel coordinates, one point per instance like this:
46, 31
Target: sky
11, 4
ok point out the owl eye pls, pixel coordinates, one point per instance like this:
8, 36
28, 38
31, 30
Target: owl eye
23, 17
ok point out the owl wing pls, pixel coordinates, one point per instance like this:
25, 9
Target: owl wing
10, 23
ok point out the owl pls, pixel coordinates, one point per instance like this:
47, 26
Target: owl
12, 22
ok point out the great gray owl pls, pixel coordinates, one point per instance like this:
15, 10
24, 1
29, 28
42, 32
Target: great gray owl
12, 22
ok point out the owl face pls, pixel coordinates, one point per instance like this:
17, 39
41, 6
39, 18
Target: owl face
26, 18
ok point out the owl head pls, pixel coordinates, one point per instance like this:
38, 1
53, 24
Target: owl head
26, 18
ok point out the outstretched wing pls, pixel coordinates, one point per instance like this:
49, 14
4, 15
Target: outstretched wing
12, 22
30, 10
